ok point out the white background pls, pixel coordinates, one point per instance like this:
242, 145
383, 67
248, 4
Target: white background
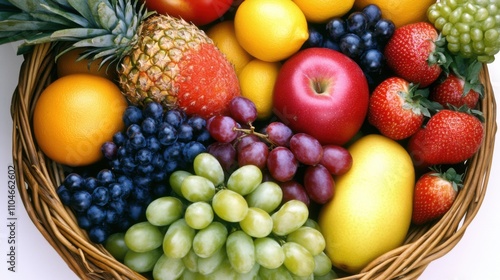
477, 255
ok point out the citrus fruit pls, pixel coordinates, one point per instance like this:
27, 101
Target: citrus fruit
270, 30
257, 81
320, 11
75, 115
224, 38
70, 63
400, 12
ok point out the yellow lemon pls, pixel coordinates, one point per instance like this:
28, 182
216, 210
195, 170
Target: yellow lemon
224, 38
257, 81
320, 11
270, 30
401, 12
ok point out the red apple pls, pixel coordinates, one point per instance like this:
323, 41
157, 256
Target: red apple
323, 93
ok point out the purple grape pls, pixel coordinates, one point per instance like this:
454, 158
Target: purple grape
294, 190
242, 110
279, 133
336, 159
222, 128
255, 153
225, 153
306, 149
282, 164
319, 183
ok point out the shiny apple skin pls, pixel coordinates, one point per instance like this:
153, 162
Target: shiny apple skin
322, 92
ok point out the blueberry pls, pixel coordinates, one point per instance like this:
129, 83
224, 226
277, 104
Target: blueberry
137, 141
159, 176
135, 211
145, 169
122, 152
372, 13
73, 182
83, 221
118, 205
204, 137
112, 217
315, 38
357, 23
143, 156
157, 161
351, 45
192, 149
149, 126
119, 138
115, 191
184, 132
127, 164
100, 196
109, 150
105, 176
372, 61
174, 117
64, 194
160, 190
96, 214
133, 129
330, 44
90, 183
132, 115
81, 201
167, 134
198, 123
384, 29
140, 194
126, 185
141, 182
369, 40
336, 28
173, 152
98, 234
153, 144
153, 110
172, 166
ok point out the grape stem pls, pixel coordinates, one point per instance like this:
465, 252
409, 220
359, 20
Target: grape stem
251, 130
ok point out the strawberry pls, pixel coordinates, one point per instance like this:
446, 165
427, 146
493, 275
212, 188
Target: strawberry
397, 108
434, 195
449, 137
461, 86
415, 53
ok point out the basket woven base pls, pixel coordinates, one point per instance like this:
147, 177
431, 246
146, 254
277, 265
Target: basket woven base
39, 178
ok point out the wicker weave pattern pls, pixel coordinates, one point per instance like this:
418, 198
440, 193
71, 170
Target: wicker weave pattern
39, 177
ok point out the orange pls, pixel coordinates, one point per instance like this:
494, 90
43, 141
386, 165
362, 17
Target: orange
401, 12
224, 37
70, 63
75, 115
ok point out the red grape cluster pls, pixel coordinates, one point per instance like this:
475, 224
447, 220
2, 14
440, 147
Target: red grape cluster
298, 162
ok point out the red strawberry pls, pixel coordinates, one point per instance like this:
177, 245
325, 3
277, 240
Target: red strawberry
434, 195
449, 137
412, 53
397, 108
461, 86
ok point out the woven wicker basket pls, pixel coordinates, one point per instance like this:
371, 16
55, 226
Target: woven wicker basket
38, 178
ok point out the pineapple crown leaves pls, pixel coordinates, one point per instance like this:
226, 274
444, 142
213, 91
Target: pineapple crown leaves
449, 175
107, 27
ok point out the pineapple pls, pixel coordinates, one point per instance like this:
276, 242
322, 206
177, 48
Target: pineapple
159, 57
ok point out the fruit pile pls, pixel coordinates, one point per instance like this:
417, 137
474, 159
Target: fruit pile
258, 138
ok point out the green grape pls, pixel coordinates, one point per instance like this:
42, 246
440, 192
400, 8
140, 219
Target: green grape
329, 276
197, 188
309, 238
199, 215
267, 196
178, 240
175, 180
280, 273
168, 268
291, 216
209, 240
240, 251
115, 245
308, 277
312, 223
191, 275
251, 275
268, 252
143, 237
190, 261
298, 260
164, 210
206, 165
223, 271
257, 223
322, 264
142, 262
245, 179
208, 265
230, 205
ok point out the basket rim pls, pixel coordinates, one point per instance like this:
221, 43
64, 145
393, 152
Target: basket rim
40, 177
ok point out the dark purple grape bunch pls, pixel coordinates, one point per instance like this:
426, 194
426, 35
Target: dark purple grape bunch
104, 204
361, 35
298, 162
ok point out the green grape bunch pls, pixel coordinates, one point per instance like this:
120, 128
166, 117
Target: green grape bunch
471, 27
